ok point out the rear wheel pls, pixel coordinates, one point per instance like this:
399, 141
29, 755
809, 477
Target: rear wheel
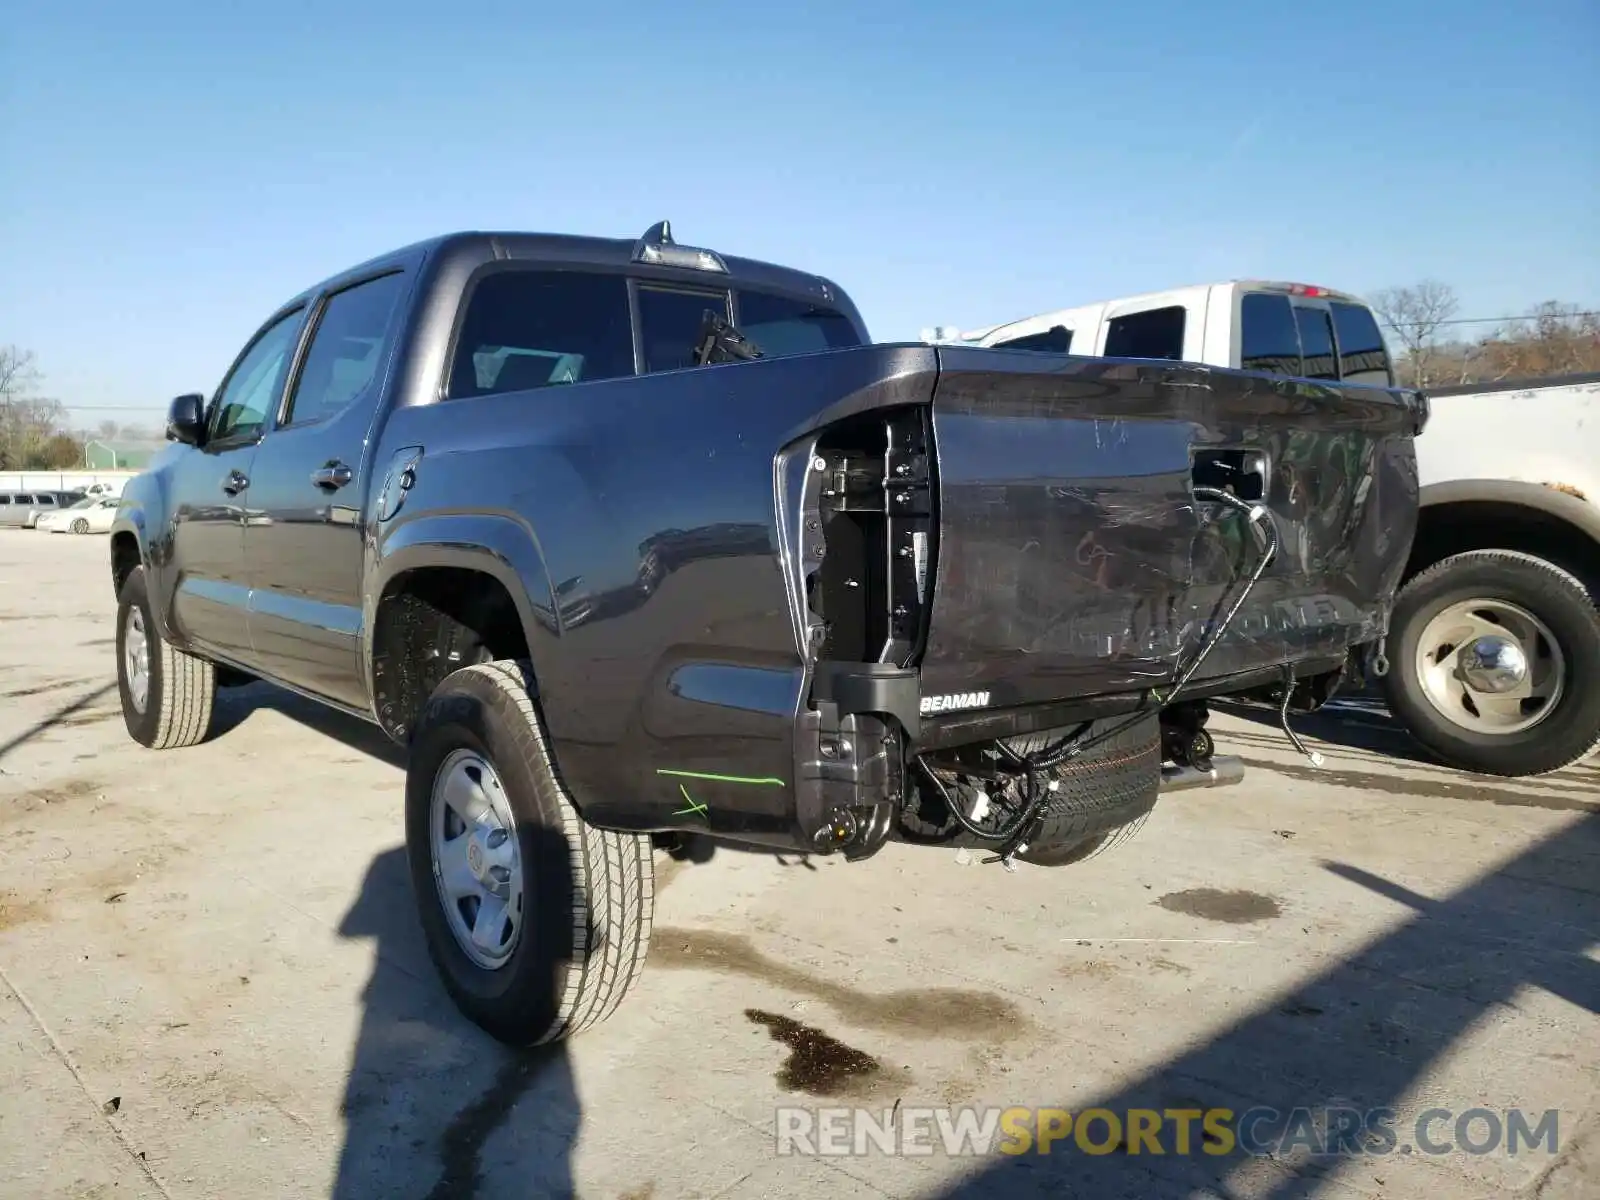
166, 694
537, 923
1493, 657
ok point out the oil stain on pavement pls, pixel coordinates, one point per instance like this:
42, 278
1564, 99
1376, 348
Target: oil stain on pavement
818, 1064
1236, 907
940, 1012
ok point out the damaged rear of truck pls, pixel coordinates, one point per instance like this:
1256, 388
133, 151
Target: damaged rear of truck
613, 583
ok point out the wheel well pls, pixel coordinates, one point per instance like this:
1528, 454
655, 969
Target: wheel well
1444, 530
430, 622
124, 558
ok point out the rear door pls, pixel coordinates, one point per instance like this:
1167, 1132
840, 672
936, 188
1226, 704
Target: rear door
1073, 557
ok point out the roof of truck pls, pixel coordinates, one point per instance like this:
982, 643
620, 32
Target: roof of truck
579, 249
1267, 285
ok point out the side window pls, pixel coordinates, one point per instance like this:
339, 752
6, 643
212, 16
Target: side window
45, 501
252, 389
350, 341
1057, 339
1316, 342
531, 329
670, 324
1157, 333
1268, 339
779, 325
1363, 358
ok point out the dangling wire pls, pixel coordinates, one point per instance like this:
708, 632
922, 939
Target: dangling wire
1074, 744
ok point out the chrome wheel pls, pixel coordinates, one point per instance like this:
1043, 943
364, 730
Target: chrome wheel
1490, 666
80, 526
136, 659
477, 866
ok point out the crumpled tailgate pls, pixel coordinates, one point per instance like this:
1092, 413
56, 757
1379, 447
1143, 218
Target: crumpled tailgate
1074, 559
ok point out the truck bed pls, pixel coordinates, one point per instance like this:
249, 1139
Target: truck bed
730, 568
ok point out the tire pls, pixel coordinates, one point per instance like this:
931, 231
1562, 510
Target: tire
79, 525
586, 900
178, 688
1100, 799
1564, 730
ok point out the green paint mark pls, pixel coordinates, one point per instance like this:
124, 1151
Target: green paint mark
695, 808
769, 781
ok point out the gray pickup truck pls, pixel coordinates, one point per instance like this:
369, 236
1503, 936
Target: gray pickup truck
626, 540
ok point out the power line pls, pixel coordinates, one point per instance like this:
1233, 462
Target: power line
1492, 320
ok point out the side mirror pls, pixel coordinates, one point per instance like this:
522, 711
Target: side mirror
186, 419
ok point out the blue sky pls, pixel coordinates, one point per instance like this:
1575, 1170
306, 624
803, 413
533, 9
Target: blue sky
173, 170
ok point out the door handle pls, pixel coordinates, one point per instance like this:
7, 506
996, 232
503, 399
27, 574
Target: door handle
235, 483
332, 476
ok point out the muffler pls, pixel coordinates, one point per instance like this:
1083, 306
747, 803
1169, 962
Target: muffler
1226, 769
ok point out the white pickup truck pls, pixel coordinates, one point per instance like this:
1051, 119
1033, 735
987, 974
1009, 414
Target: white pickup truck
1494, 643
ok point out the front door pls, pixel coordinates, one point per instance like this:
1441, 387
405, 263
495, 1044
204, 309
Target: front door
210, 487
303, 523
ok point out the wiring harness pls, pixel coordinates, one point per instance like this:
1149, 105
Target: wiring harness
1074, 744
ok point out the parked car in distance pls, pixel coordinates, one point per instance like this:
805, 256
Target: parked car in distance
23, 509
92, 514
1494, 641
623, 538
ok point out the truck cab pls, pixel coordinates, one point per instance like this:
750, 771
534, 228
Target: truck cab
1295, 329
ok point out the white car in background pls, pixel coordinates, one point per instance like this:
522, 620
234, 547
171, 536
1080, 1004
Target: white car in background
92, 515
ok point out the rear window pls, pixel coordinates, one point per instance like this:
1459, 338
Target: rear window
1057, 340
1156, 333
530, 329
1268, 339
1363, 358
670, 322
779, 325
1316, 343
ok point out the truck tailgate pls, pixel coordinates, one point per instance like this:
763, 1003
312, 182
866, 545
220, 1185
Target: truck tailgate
1074, 558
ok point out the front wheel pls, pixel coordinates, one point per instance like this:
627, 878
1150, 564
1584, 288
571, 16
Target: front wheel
537, 923
79, 525
1494, 655
166, 694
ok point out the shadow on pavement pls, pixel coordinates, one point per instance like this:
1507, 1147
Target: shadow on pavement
430, 1099
61, 716
1358, 721
427, 1090
1360, 1035
236, 704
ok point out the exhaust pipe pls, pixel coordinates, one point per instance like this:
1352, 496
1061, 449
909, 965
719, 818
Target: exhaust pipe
1226, 769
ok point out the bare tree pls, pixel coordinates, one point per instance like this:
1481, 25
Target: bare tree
31, 426
1416, 314
19, 376
1558, 339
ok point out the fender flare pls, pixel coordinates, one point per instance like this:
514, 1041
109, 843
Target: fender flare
1580, 514
501, 547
